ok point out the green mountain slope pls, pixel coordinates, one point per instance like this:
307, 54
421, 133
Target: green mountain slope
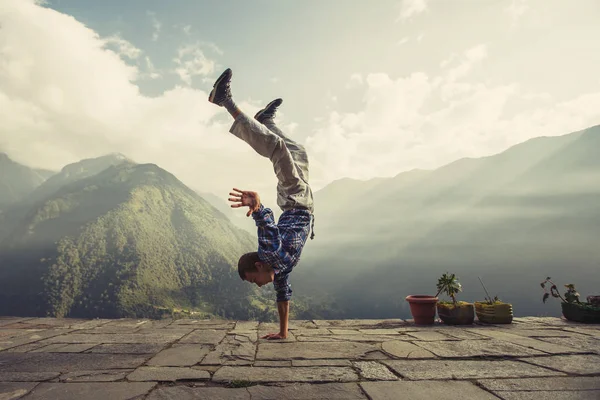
18, 181
15, 213
129, 241
532, 211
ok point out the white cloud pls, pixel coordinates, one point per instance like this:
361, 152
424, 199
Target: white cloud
187, 29
409, 8
191, 61
156, 25
123, 47
402, 41
274, 79
64, 97
516, 10
151, 71
422, 121
356, 79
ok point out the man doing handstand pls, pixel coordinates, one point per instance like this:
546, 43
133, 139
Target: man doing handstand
279, 245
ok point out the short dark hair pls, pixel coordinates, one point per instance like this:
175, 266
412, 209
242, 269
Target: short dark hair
247, 263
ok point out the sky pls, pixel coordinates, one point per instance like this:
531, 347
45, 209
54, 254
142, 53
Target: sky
371, 89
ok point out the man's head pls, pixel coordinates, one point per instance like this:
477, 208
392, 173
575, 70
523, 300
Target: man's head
253, 270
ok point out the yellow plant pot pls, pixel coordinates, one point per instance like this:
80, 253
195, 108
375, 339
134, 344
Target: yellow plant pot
498, 313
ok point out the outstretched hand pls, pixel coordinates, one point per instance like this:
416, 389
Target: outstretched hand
245, 198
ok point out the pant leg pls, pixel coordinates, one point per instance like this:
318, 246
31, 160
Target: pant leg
292, 190
298, 151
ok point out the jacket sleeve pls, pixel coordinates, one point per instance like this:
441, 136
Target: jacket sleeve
270, 246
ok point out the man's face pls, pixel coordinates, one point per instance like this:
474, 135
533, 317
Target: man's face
262, 276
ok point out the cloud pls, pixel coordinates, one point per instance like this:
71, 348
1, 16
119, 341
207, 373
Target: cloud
423, 121
409, 8
187, 29
151, 71
123, 47
65, 96
156, 25
191, 61
516, 10
402, 41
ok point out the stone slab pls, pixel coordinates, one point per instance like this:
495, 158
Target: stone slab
531, 343
361, 323
476, 348
233, 350
127, 348
30, 337
329, 391
27, 376
180, 355
246, 326
64, 348
287, 363
286, 351
402, 349
65, 362
556, 383
584, 343
27, 347
150, 337
554, 395
466, 369
372, 370
95, 376
322, 363
90, 391
430, 336
204, 336
167, 374
293, 374
572, 364
15, 390
439, 390
382, 331
199, 393
360, 337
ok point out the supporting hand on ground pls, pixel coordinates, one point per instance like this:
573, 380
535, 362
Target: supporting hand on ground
274, 336
245, 198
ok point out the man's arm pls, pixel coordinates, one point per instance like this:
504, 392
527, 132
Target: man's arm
283, 307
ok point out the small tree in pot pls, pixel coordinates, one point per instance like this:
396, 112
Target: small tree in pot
454, 312
572, 308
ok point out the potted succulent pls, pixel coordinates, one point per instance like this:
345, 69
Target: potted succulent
454, 312
572, 308
493, 311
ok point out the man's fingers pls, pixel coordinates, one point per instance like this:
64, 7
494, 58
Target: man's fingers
238, 190
239, 196
235, 199
237, 205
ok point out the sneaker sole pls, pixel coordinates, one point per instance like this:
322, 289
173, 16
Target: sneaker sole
225, 75
261, 112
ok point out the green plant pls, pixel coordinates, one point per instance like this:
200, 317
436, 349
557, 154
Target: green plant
571, 295
488, 299
449, 285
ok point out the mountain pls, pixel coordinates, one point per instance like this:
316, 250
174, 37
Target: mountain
14, 213
129, 240
513, 219
237, 217
18, 181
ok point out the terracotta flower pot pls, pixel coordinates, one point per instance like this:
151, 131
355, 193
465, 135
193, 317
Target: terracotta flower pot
497, 313
462, 313
422, 308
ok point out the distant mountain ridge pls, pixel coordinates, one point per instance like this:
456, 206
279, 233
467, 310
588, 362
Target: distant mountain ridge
17, 180
530, 210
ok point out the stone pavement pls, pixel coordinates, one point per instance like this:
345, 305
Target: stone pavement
533, 358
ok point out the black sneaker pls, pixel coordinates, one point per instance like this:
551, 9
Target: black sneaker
269, 111
221, 90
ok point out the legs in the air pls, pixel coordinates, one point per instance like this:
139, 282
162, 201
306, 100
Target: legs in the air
293, 190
